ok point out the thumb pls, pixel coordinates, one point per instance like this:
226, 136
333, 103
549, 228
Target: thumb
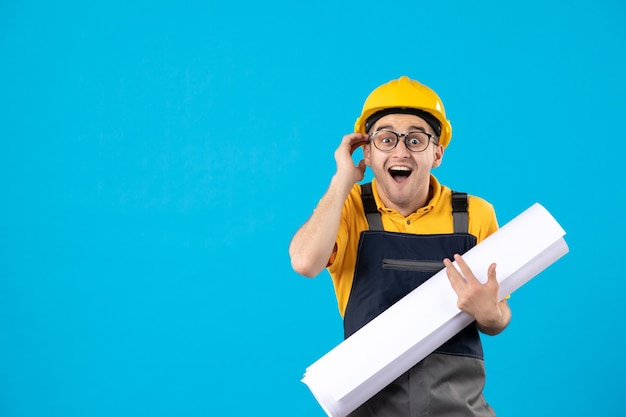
361, 167
491, 275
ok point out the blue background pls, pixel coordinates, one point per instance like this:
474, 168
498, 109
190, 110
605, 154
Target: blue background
157, 157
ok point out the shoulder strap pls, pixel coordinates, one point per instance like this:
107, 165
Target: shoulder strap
459, 212
369, 205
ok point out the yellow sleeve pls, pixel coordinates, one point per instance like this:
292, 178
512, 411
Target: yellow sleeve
482, 218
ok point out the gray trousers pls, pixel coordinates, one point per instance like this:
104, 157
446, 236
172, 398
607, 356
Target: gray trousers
440, 385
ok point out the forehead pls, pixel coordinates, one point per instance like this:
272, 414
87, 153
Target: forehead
401, 123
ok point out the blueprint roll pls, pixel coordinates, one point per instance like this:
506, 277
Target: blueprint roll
392, 343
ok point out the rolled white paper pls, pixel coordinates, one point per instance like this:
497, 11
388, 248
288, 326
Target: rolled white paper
393, 342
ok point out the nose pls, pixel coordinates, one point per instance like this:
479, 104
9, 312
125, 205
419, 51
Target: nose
401, 149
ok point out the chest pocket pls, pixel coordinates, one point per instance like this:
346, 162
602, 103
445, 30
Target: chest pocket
412, 265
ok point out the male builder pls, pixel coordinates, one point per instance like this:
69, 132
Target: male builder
383, 239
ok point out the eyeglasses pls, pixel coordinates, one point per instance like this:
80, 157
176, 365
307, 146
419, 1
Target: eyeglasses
387, 140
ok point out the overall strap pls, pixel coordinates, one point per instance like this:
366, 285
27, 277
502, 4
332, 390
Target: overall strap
371, 211
374, 219
459, 212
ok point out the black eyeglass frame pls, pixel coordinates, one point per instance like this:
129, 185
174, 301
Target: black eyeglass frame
432, 138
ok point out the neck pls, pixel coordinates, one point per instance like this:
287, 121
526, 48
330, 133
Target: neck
408, 206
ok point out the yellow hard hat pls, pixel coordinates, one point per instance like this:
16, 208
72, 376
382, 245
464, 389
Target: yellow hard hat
405, 94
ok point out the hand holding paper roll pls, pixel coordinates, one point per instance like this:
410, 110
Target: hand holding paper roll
479, 299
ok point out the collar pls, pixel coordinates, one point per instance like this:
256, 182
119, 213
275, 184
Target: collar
435, 196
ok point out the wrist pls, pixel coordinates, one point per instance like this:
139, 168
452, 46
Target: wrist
341, 185
493, 324
499, 321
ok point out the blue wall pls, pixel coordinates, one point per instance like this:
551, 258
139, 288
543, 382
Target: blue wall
156, 158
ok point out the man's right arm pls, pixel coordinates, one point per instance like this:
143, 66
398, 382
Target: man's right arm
313, 244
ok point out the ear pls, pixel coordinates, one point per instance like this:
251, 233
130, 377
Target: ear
366, 153
438, 156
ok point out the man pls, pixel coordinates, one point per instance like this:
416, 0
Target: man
381, 240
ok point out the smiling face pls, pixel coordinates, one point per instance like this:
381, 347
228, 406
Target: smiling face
402, 176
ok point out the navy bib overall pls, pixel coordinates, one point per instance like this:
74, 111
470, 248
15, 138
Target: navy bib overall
389, 265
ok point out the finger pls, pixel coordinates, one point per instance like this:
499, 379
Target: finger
465, 269
450, 269
352, 138
361, 167
357, 141
454, 276
491, 275
349, 144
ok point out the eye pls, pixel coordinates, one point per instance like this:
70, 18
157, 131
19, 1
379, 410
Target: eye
416, 138
385, 138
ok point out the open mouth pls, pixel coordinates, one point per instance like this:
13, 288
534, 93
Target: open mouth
400, 173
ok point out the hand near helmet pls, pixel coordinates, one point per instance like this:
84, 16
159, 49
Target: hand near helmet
346, 169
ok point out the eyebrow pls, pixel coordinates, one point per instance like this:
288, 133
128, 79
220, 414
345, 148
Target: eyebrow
411, 128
